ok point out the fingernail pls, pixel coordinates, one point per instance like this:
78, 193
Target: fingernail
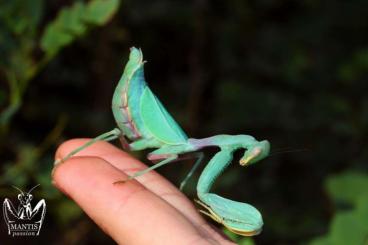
53, 182
56, 164
57, 161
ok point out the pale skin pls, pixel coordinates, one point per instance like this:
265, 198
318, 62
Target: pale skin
146, 210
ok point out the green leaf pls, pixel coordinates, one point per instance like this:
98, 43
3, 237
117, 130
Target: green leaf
361, 212
246, 241
347, 187
21, 17
100, 11
54, 39
71, 19
72, 22
348, 227
237, 238
325, 240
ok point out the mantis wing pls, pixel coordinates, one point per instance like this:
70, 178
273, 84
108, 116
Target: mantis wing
158, 121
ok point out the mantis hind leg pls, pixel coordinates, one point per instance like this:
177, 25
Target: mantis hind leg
108, 136
164, 154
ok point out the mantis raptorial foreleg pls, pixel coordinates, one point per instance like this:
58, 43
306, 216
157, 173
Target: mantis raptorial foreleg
108, 136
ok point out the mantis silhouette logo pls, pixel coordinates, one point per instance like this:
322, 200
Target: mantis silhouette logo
24, 220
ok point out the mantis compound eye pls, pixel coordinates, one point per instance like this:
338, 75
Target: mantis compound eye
250, 155
255, 153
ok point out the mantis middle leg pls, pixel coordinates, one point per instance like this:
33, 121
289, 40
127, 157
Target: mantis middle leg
167, 151
157, 165
198, 155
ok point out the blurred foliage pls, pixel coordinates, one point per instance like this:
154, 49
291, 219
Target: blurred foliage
20, 21
292, 72
238, 239
73, 22
349, 225
25, 51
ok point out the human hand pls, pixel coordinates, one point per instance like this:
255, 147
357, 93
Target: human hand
147, 210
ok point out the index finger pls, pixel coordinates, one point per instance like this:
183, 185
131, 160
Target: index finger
129, 213
127, 164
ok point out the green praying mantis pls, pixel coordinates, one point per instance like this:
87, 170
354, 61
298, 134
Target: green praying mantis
143, 120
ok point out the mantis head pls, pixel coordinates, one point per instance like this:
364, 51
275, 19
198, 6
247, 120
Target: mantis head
135, 55
255, 153
135, 61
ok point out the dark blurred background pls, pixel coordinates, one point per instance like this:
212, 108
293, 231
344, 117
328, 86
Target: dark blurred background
292, 72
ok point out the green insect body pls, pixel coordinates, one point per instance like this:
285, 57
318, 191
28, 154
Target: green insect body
143, 120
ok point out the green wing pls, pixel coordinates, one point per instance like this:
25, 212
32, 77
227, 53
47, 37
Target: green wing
158, 121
